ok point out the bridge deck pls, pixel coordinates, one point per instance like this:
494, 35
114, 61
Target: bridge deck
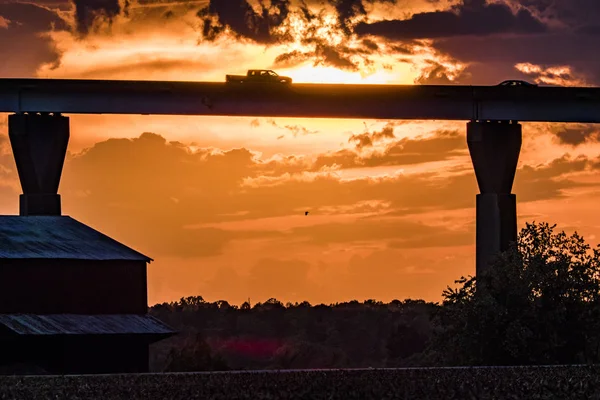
444, 102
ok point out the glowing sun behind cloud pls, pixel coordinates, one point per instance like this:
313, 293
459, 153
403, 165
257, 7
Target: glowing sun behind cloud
312, 74
143, 46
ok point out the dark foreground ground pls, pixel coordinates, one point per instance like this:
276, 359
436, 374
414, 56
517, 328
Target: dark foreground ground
560, 382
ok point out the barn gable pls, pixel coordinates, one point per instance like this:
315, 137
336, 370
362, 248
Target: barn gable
58, 237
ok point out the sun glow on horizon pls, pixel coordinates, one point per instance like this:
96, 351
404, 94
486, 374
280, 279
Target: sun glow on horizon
173, 50
160, 58
320, 74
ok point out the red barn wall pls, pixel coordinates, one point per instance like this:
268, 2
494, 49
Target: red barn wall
73, 287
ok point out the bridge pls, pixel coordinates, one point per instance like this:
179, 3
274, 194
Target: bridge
39, 133
421, 102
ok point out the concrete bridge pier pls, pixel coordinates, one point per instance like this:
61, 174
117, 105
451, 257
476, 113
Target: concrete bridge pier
494, 147
39, 143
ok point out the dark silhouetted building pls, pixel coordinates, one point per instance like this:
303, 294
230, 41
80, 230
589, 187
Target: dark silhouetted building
72, 300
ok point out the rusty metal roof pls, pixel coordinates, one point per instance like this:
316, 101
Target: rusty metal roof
76, 324
59, 237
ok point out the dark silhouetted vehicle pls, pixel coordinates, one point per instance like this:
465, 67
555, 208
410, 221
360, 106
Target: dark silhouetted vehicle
517, 83
258, 75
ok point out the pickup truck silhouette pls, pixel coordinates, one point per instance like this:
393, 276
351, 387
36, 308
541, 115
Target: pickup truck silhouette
258, 75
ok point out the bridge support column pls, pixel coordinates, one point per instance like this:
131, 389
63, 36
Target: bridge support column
39, 143
494, 147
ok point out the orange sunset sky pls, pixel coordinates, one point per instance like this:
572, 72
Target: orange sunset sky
219, 202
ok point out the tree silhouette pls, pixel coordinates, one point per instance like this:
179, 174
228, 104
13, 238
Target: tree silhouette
539, 305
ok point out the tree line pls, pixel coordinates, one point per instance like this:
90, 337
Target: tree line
538, 303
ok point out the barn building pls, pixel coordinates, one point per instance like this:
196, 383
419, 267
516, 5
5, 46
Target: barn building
72, 300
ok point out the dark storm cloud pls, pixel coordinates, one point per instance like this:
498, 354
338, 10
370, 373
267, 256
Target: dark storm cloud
348, 9
243, 20
325, 54
547, 49
493, 38
258, 24
22, 44
87, 11
404, 49
369, 44
589, 30
261, 26
30, 18
291, 59
246, 22
471, 18
577, 134
332, 56
556, 49
577, 14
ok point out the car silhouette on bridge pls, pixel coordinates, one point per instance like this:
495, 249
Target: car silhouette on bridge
514, 82
259, 75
